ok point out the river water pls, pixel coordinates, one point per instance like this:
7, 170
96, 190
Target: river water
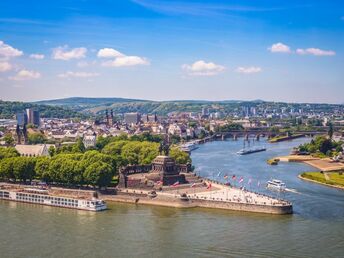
316, 229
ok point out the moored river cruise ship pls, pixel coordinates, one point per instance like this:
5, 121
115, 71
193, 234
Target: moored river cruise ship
43, 197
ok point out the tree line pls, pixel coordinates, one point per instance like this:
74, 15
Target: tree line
73, 165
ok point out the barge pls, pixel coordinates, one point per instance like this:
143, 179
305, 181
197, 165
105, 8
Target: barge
44, 197
250, 151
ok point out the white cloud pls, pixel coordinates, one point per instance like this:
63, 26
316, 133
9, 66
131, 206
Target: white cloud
126, 61
26, 75
249, 70
203, 69
119, 59
279, 48
37, 56
77, 75
63, 53
109, 53
7, 51
315, 52
5, 66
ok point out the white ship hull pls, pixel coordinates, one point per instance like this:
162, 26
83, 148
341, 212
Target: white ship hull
57, 201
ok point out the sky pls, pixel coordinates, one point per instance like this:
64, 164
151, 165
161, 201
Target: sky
169, 50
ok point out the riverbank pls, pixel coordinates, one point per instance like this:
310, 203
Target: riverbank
285, 138
325, 165
330, 179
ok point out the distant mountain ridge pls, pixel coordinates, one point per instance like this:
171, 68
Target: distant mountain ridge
97, 106
123, 105
84, 101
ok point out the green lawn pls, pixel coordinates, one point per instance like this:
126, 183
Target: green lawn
335, 178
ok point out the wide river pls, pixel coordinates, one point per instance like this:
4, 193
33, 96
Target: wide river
316, 229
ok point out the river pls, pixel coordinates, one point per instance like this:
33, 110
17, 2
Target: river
316, 229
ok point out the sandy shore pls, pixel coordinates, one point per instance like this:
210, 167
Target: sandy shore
320, 164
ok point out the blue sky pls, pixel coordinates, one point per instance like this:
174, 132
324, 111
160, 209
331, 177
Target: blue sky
164, 50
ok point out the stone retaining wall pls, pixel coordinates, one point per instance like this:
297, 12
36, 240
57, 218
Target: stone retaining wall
288, 209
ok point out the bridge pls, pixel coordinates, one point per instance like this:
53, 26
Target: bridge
260, 132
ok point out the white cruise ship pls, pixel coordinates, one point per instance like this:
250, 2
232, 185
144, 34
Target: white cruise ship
41, 196
188, 147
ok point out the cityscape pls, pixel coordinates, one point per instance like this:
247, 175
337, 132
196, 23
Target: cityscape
223, 138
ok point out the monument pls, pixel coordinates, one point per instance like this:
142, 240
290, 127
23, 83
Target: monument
164, 168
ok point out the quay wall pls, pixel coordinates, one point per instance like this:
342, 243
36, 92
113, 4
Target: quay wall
247, 207
201, 203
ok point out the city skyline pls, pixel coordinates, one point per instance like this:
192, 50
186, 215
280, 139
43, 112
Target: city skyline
172, 50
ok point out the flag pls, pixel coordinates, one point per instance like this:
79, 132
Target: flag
209, 186
159, 182
219, 174
225, 177
241, 180
258, 184
193, 185
233, 177
176, 183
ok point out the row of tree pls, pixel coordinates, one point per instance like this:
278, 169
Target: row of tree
91, 168
322, 145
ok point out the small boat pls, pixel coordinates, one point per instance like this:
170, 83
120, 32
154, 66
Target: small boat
275, 184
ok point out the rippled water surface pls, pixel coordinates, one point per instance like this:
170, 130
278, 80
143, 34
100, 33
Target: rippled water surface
315, 230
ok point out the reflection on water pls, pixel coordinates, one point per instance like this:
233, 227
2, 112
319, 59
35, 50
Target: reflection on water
315, 230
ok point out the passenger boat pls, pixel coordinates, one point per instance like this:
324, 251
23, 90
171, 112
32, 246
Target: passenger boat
188, 147
275, 184
42, 196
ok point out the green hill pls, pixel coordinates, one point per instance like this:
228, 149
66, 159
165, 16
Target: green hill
8, 109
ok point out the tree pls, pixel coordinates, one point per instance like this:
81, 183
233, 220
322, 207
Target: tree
9, 152
36, 138
6, 169
148, 152
78, 146
98, 174
23, 168
330, 131
179, 156
52, 151
8, 139
42, 169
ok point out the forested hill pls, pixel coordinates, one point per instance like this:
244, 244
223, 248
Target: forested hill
80, 103
8, 109
122, 105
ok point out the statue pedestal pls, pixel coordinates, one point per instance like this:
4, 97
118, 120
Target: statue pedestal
164, 169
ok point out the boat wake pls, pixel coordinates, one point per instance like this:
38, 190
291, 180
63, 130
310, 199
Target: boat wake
292, 191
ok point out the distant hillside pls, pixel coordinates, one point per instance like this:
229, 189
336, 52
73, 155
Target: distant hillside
8, 109
97, 106
79, 103
122, 105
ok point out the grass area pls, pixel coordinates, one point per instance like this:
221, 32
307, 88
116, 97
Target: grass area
335, 178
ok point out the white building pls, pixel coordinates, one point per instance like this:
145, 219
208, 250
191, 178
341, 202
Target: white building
33, 150
89, 141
